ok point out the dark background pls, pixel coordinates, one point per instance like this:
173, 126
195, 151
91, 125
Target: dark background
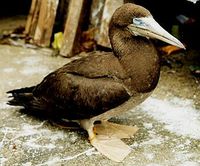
14, 7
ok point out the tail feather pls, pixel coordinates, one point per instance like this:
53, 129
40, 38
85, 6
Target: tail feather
22, 90
32, 105
37, 106
21, 97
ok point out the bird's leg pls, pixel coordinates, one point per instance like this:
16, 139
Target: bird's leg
111, 147
88, 125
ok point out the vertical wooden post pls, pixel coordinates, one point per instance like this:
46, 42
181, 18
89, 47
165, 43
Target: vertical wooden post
72, 27
96, 13
42, 15
30, 16
32, 19
46, 21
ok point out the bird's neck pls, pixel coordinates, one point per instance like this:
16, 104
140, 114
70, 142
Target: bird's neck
138, 57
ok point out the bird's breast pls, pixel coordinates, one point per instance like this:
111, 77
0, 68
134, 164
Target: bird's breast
126, 106
142, 68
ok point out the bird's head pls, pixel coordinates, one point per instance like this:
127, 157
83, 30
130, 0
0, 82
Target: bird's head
139, 22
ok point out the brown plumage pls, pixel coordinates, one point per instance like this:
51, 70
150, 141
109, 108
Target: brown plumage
103, 84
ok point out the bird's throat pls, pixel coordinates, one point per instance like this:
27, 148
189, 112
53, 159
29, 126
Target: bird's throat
139, 58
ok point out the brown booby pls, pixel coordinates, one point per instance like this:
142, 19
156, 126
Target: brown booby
102, 85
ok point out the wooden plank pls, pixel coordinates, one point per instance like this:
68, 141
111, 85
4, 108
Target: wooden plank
35, 19
109, 8
72, 27
96, 13
46, 21
30, 16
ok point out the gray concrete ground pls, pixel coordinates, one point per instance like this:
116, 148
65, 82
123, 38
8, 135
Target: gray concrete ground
169, 120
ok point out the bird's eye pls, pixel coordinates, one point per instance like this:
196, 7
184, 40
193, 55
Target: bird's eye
138, 21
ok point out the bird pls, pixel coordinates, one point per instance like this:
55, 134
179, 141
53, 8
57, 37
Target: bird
93, 89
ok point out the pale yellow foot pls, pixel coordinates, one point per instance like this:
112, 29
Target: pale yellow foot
115, 130
105, 139
113, 148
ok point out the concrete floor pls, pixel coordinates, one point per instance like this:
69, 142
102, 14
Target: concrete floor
169, 120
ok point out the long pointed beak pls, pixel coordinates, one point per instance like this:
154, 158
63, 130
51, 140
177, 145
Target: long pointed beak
149, 28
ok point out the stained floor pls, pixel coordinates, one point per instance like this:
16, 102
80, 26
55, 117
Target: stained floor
169, 120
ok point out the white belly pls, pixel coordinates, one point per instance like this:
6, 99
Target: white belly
131, 103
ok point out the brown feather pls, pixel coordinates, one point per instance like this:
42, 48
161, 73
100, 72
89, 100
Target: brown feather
102, 81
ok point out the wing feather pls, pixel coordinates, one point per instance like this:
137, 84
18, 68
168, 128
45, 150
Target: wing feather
78, 94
